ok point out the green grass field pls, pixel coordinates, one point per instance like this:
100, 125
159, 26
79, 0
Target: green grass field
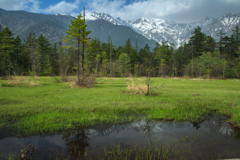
50, 107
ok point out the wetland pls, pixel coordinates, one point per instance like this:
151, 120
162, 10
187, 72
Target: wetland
186, 119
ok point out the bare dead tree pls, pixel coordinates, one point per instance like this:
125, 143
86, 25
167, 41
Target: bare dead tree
148, 80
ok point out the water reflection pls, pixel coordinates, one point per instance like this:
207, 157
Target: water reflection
77, 142
74, 144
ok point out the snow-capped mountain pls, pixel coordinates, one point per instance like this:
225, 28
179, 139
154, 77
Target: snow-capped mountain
109, 18
226, 23
162, 30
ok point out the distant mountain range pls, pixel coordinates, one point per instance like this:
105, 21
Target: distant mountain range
144, 30
54, 28
162, 30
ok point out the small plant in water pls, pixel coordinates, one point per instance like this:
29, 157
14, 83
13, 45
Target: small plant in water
10, 157
27, 152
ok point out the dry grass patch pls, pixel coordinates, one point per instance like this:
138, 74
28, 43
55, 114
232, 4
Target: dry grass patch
104, 79
175, 78
14, 80
33, 83
72, 84
137, 89
197, 79
129, 79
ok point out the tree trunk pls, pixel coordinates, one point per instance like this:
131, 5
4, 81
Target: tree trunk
78, 62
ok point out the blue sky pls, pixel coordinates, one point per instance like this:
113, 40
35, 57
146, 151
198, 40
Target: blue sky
173, 10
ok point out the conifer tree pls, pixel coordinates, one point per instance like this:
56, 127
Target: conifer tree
7, 48
110, 54
160, 56
220, 43
31, 44
1, 53
17, 51
54, 58
236, 35
210, 44
77, 35
44, 50
197, 41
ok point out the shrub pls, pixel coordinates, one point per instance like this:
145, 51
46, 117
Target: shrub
86, 81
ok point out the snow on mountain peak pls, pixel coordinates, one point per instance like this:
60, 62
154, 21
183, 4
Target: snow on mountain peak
89, 16
162, 30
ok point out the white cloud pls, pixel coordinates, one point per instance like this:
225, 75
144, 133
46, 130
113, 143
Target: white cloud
62, 7
105, 6
177, 10
19, 4
35, 6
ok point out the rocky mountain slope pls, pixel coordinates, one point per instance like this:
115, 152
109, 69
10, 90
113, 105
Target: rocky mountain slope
54, 27
144, 30
162, 30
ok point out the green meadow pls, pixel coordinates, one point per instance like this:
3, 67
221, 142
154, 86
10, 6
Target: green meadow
50, 107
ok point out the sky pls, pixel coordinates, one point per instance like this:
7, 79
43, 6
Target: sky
182, 11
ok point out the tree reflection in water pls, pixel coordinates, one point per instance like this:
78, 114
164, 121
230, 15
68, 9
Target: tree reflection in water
76, 143
147, 129
211, 130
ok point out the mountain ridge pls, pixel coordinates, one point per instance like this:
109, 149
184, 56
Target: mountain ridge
163, 30
153, 29
54, 27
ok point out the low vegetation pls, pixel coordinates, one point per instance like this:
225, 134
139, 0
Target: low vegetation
50, 107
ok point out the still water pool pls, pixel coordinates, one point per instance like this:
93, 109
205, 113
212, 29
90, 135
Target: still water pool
213, 138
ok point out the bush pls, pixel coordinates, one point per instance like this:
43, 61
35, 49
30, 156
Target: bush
86, 81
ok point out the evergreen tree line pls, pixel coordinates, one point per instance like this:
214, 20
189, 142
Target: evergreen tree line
201, 56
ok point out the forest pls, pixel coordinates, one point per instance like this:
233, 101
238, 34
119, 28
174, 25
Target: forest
202, 57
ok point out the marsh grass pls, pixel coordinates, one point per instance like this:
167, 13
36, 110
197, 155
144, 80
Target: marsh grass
148, 152
7, 85
136, 89
21, 81
11, 157
182, 148
52, 106
63, 120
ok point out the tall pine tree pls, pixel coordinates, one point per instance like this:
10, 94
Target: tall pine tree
77, 35
7, 47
